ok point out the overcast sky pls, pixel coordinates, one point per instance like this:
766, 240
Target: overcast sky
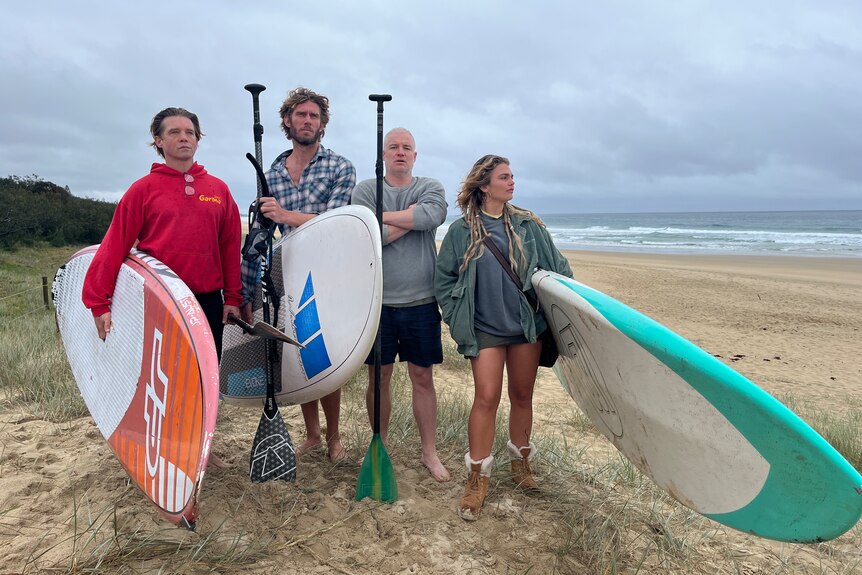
601, 106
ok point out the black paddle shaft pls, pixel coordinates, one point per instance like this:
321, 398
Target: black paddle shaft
255, 90
268, 294
378, 169
265, 250
378, 350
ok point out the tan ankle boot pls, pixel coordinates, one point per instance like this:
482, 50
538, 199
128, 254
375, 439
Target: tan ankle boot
479, 476
522, 472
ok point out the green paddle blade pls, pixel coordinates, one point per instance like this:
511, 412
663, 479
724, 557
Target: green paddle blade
376, 476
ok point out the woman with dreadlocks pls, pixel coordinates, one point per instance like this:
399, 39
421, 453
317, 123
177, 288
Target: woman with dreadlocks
491, 319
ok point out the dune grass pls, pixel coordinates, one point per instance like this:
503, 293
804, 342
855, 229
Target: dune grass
35, 370
607, 514
842, 430
102, 542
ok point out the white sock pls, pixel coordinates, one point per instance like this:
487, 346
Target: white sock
515, 452
487, 464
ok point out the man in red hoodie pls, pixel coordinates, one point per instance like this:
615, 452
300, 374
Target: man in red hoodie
181, 215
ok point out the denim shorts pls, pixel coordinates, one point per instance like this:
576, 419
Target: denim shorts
411, 333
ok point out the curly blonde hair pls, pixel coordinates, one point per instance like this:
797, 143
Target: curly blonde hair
299, 96
471, 199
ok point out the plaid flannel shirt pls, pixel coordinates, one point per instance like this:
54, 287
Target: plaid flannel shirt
326, 183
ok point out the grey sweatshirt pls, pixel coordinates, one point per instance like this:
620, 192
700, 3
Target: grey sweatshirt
409, 261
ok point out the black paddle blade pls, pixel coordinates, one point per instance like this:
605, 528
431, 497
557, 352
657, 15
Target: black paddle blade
264, 330
272, 454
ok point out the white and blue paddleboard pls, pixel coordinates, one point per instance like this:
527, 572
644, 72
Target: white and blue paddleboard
329, 275
708, 436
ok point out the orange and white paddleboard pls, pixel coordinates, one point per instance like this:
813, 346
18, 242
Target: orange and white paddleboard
152, 385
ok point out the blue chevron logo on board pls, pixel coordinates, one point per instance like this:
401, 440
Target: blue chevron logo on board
315, 358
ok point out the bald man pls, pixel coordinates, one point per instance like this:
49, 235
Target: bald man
413, 208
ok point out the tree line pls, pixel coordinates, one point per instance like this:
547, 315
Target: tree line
33, 210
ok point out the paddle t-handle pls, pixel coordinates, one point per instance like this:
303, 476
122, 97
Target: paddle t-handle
380, 98
255, 90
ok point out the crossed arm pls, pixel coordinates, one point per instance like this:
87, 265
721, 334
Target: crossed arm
398, 223
427, 211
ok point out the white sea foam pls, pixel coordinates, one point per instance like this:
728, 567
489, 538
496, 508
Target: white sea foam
793, 233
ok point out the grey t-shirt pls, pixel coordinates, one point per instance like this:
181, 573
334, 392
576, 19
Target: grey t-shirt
498, 305
409, 261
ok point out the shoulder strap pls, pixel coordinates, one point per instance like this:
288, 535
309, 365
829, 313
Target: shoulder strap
507, 267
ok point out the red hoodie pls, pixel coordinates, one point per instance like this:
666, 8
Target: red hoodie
197, 236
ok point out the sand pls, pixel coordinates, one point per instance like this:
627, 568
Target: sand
790, 324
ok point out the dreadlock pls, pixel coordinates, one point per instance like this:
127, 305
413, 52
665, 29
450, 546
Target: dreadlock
471, 198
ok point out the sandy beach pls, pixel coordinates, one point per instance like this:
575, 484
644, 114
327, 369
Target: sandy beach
790, 324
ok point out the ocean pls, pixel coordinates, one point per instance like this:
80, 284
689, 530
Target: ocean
812, 233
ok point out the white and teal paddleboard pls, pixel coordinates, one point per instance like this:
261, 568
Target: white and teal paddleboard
708, 436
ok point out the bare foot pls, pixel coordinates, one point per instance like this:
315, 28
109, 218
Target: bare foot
216, 461
336, 450
307, 445
436, 468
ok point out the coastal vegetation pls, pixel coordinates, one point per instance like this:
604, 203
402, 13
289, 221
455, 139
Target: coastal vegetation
33, 210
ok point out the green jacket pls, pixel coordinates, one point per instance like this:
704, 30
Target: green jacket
456, 291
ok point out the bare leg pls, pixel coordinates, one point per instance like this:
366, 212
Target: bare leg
332, 411
488, 383
312, 427
217, 462
521, 366
425, 412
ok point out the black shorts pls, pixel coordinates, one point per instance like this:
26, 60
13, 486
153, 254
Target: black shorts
411, 333
212, 305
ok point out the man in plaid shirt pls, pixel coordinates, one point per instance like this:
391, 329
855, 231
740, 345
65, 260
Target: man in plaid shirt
305, 181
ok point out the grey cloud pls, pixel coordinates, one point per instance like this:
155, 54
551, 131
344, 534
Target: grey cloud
608, 107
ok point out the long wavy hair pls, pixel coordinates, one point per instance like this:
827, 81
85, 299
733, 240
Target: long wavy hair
471, 200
